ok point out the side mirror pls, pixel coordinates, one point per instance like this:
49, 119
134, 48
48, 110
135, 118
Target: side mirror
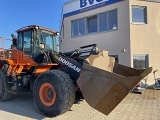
41, 46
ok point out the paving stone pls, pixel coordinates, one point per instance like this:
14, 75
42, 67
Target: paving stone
144, 106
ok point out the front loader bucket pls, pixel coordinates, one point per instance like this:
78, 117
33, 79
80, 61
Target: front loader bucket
105, 83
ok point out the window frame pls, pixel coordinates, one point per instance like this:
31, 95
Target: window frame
27, 44
106, 13
86, 29
116, 20
20, 41
146, 56
145, 20
87, 23
78, 20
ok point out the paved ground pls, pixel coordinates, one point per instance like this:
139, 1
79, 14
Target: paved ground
144, 106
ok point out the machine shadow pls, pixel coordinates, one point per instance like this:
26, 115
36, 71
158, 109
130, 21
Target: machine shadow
22, 105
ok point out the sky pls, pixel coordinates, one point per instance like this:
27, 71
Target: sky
15, 14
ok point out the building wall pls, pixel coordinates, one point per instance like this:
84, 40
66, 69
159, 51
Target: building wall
145, 38
112, 41
134, 38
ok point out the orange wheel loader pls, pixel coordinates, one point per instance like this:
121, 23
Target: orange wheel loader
34, 65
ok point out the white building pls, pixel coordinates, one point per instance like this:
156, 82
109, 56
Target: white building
128, 29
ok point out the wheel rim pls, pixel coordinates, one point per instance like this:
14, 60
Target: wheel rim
47, 94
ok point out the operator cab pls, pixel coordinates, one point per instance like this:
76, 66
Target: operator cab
32, 38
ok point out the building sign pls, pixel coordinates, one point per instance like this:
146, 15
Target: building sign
79, 6
87, 3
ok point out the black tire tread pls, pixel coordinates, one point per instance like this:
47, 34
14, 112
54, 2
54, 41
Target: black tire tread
68, 94
69, 89
6, 95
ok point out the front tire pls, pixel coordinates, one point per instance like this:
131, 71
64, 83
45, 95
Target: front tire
53, 93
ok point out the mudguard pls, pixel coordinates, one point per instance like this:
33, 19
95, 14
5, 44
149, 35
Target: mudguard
104, 83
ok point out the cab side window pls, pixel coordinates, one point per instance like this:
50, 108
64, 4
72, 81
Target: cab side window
20, 42
27, 36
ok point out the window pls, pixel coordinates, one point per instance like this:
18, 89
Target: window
140, 61
27, 36
108, 21
103, 22
97, 23
112, 20
78, 27
82, 26
139, 14
75, 28
92, 24
49, 39
20, 41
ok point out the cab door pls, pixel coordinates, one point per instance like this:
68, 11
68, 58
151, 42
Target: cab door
27, 42
24, 42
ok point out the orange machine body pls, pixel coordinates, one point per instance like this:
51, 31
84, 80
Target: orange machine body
19, 62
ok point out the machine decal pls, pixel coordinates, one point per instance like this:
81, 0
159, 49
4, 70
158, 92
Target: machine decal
69, 64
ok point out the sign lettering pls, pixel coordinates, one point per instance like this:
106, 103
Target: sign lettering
69, 64
84, 3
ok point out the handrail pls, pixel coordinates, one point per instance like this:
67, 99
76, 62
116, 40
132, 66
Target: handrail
2, 47
3, 51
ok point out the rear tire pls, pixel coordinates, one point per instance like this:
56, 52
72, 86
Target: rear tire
53, 93
4, 94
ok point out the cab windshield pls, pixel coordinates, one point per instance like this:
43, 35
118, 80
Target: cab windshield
49, 39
